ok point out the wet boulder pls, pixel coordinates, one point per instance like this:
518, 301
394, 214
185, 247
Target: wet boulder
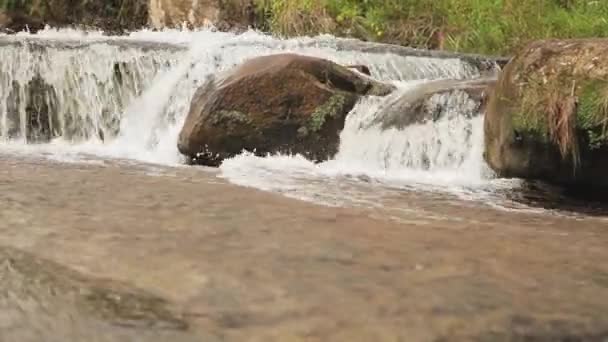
280, 103
548, 117
432, 101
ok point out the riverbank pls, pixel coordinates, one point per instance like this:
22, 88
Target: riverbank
472, 26
236, 264
488, 27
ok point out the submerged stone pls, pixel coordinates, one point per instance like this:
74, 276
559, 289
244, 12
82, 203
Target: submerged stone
432, 101
36, 100
44, 283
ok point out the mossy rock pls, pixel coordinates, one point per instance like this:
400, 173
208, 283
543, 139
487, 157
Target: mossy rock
280, 103
548, 116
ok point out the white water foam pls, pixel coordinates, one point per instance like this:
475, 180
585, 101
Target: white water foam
445, 156
151, 107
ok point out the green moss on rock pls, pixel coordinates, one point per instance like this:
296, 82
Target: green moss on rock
530, 123
592, 113
529, 115
331, 108
548, 116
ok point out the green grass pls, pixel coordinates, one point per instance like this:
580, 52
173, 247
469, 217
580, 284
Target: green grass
592, 115
482, 26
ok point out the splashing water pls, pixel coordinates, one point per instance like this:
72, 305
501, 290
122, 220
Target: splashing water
445, 155
127, 97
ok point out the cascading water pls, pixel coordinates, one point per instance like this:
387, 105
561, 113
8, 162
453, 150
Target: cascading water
127, 98
446, 150
76, 94
441, 155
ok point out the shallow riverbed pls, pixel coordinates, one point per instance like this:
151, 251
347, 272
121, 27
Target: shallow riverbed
116, 251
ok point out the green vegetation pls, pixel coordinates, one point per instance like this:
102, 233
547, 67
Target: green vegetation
531, 117
558, 111
592, 112
331, 108
482, 26
528, 123
29, 6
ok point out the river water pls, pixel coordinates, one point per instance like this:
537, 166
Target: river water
126, 98
109, 196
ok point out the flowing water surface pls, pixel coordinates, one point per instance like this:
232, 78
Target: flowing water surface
414, 233
126, 98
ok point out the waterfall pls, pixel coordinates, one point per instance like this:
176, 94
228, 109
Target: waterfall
127, 97
77, 94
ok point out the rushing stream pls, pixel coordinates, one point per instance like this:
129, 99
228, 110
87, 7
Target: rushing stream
126, 98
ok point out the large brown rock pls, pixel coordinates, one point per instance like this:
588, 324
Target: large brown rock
430, 101
548, 116
223, 14
279, 103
